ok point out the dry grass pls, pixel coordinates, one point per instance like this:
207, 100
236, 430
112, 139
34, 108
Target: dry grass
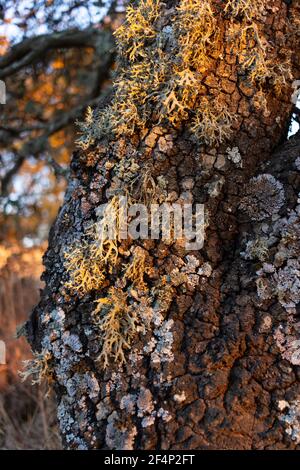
27, 419
27, 416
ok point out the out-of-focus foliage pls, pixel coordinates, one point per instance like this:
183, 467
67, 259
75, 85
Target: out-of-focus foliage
55, 60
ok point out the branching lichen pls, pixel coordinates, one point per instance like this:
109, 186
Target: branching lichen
163, 71
117, 322
38, 369
88, 261
136, 270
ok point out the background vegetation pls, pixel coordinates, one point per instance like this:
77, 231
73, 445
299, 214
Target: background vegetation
56, 59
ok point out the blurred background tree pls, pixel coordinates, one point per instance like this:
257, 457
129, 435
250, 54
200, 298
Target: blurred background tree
56, 59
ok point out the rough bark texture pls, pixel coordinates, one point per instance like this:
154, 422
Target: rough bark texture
213, 363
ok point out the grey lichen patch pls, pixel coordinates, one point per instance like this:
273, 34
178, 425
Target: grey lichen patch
264, 197
288, 285
148, 348
128, 403
145, 402
64, 416
288, 342
291, 419
148, 421
81, 388
164, 415
281, 277
205, 270
163, 349
84, 384
179, 397
119, 435
73, 341
215, 187
74, 421
104, 409
54, 321
185, 272
191, 264
256, 249
233, 154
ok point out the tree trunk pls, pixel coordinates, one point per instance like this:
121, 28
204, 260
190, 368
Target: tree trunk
151, 345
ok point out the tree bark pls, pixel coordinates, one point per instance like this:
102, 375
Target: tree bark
213, 362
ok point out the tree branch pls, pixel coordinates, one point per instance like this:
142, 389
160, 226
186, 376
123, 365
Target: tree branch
35, 146
29, 50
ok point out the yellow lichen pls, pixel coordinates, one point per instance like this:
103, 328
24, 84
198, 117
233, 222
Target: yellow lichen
165, 85
257, 56
85, 273
118, 323
137, 28
136, 270
212, 122
38, 368
247, 8
90, 260
199, 33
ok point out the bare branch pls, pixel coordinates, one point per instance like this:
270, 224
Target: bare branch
35, 146
29, 50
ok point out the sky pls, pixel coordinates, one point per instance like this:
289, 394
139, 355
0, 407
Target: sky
80, 17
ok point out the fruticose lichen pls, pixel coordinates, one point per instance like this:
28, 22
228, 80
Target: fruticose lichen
162, 73
39, 368
165, 82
